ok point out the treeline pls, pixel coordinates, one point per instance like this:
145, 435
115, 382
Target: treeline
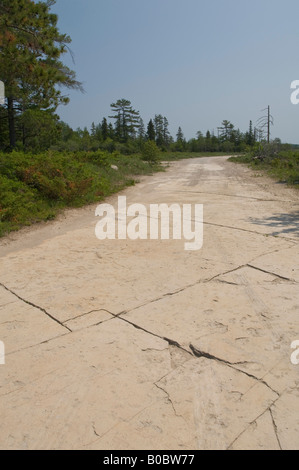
123, 131
128, 133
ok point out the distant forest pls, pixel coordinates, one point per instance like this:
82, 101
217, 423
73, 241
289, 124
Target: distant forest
37, 130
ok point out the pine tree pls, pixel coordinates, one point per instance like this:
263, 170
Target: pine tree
126, 119
104, 129
111, 131
208, 143
30, 48
250, 135
150, 134
159, 129
180, 135
166, 133
93, 129
226, 133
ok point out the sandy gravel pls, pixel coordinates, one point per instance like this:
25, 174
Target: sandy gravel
123, 344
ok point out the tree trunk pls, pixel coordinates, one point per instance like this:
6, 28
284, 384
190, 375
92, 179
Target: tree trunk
11, 123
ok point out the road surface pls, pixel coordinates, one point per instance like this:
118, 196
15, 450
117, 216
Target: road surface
123, 344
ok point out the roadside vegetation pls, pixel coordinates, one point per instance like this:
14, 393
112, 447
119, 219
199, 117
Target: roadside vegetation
280, 161
35, 187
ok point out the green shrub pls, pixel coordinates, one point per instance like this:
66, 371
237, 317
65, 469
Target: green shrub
150, 151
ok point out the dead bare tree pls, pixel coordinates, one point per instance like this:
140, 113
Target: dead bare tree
265, 122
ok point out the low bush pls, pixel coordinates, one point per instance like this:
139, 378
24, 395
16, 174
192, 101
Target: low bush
150, 151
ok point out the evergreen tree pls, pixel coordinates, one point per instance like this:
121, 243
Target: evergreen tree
159, 129
30, 48
166, 133
150, 134
208, 142
93, 130
110, 131
180, 140
180, 135
104, 129
250, 137
226, 131
126, 119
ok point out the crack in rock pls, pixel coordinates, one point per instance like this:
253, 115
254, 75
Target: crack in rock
251, 266
94, 430
275, 428
35, 306
272, 274
169, 400
255, 232
198, 353
268, 409
171, 342
222, 281
86, 313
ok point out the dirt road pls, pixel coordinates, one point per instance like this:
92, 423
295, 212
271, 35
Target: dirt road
123, 344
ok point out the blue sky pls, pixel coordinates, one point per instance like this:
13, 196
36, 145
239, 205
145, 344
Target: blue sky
196, 62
